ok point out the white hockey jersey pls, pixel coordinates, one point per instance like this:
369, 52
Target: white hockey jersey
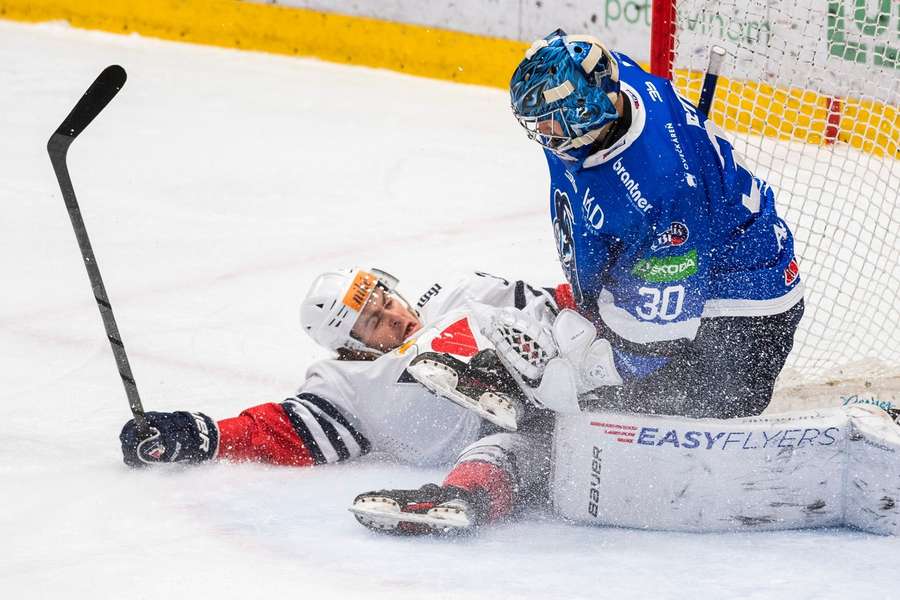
347, 408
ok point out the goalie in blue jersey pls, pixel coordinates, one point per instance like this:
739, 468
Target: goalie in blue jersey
684, 295
674, 250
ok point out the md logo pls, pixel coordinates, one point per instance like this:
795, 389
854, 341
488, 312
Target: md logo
865, 31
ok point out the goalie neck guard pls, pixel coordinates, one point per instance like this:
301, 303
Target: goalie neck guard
336, 300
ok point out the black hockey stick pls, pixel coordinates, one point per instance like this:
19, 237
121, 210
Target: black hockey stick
716, 54
95, 99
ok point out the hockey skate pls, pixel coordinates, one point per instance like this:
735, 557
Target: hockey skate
431, 509
482, 385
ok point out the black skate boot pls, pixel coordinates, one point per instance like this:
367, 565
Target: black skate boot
482, 385
431, 509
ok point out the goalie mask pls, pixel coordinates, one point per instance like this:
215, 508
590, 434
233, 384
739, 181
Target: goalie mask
337, 299
563, 93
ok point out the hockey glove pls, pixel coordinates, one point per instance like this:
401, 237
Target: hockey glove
177, 437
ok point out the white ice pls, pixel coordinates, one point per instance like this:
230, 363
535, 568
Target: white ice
214, 188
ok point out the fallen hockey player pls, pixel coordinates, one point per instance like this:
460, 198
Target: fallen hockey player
369, 401
366, 399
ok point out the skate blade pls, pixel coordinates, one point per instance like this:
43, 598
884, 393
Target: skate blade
442, 380
385, 514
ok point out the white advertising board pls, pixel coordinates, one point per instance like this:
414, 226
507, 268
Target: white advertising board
623, 25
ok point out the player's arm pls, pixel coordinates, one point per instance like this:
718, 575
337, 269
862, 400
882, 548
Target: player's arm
305, 430
302, 431
499, 292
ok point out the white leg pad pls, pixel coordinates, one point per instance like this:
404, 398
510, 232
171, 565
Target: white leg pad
797, 470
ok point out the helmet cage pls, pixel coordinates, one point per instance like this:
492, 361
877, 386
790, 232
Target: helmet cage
388, 283
353, 342
550, 137
559, 137
570, 82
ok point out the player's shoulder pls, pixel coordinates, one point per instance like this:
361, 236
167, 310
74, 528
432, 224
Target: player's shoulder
334, 371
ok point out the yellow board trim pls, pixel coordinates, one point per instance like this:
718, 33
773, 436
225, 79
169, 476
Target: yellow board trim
428, 52
799, 115
745, 107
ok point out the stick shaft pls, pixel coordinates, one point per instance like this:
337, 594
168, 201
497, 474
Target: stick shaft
98, 95
711, 79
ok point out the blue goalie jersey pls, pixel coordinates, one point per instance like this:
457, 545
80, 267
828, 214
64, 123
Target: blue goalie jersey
666, 227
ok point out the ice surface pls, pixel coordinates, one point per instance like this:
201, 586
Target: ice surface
214, 188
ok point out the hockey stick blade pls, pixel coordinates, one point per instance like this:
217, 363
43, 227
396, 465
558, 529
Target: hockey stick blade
94, 100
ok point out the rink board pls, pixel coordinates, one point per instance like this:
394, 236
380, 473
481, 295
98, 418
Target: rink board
820, 468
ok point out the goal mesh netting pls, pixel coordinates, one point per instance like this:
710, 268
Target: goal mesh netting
810, 92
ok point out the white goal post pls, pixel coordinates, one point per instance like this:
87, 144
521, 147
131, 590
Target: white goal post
810, 91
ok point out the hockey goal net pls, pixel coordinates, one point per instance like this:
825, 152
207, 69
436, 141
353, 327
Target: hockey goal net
810, 91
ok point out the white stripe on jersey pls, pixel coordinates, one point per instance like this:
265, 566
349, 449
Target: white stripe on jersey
726, 307
345, 435
326, 446
629, 327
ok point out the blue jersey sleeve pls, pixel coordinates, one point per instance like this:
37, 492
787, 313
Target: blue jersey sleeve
755, 250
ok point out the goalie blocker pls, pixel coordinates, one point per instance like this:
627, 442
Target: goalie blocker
824, 468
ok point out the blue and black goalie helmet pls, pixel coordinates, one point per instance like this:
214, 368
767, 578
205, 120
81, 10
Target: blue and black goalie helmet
562, 92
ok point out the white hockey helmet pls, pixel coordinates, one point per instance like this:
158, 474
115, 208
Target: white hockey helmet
334, 302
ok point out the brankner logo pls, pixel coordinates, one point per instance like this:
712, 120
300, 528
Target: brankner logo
632, 186
675, 235
857, 399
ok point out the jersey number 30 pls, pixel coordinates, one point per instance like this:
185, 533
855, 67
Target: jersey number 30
665, 305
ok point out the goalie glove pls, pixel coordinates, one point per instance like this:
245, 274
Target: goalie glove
521, 338
553, 365
585, 363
